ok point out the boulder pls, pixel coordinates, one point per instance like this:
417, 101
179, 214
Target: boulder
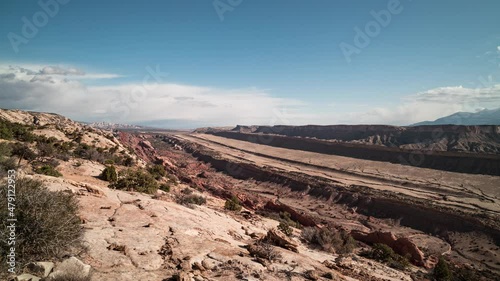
402, 246
27, 277
42, 269
276, 238
71, 268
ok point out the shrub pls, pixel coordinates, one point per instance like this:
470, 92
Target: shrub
233, 204
385, 254
45, 149
264, 250
340, 242
5, 149
109, 174
87, 152
47, 222
136, 180
158, 171
10, 130
48, 170
23, 152
187, 191
284, 227
189, 200
165, 187
129, 161
442, 271
286, 217
8, 163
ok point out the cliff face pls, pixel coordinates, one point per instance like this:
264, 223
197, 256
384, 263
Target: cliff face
479, 139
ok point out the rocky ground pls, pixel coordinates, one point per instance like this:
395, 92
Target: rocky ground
136, 236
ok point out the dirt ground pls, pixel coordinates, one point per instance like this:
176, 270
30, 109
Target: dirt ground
475, 194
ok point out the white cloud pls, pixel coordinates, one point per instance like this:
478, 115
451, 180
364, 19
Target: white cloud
62, 90
137, 103
431, 105
52, 73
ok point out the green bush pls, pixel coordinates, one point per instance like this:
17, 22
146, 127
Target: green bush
158, 171
165, 187
286, 217
233, 204
8, 163
385, 254
109, 174
10, 130
23, 151
5, 149
136, 180
284, 227
339, 241
48, 170
187, 191
47, 222
442, 271
192, 199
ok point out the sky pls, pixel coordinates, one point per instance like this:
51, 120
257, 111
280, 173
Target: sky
194, 63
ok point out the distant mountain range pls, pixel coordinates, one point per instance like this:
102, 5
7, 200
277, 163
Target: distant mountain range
112, 126
483, 117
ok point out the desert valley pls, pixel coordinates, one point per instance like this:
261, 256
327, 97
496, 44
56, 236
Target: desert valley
254, 202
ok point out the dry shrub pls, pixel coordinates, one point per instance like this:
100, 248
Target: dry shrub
47, 222
337, 241
265, 251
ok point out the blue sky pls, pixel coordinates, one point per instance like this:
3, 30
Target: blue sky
265, 59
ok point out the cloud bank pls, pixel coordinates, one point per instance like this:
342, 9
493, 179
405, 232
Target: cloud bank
63, 90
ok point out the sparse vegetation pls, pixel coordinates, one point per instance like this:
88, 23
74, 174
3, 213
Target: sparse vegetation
284, 227
109, 174
265, 251
192, 199
48, 170
442, 271
165, 187
384, 253
47, 222
158, 171
6, 161
10, 131
187, 191
287, 218
233, 204
337, 241
136, 180
23, 152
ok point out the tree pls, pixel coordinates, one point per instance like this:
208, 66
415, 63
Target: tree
442, 271
136, 180
109, 174
233, 204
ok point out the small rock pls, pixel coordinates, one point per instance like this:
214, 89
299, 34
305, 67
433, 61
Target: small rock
198, 266
311, 275
42, 269
71, 268
27, 277
198, 278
